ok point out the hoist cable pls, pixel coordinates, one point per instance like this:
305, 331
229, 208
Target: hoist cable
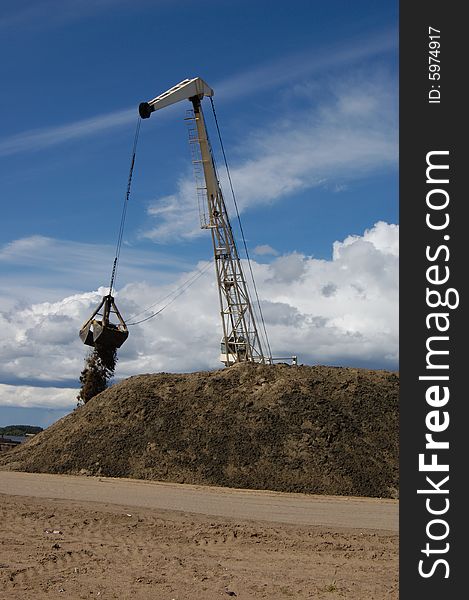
178, 291
241, 229
124, 208
183, 284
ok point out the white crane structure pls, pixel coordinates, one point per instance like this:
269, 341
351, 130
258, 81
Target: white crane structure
240, 340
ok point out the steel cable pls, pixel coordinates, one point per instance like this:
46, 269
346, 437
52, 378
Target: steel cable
178, 291
124, 208
241, 229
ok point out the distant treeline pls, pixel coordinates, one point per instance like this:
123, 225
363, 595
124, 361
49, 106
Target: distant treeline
19, 430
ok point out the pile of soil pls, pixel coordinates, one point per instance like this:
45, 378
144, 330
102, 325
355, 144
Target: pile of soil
322, 430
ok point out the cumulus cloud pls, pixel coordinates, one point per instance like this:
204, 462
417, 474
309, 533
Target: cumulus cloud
41, 397
342, 311
288, 268
329, 290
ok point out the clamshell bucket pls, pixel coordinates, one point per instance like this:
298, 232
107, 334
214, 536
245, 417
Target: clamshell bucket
100, 332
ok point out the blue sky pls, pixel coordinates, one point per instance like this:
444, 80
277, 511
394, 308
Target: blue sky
306, 97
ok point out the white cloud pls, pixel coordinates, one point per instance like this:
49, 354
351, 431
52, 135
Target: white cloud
69, 267
296, 67
339, 311
39, 139
280, 72
176, 214
382, 236
352, 132
288, 268
264, 250
42, 397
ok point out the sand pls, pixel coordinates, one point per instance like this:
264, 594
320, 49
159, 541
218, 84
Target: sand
57, 547
76, 524
321, 430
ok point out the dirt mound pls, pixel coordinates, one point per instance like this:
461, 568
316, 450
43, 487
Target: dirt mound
324, 430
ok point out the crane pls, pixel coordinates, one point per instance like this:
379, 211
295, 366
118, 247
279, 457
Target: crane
240, 341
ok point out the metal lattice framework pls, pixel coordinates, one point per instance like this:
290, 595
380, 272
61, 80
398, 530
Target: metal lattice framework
241, 340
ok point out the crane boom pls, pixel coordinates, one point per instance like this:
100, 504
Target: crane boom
182, 91
240, 341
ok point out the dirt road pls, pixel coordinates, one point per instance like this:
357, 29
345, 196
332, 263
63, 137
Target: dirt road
80, 537
276, 507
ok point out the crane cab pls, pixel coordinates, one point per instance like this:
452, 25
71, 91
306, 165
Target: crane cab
233, 351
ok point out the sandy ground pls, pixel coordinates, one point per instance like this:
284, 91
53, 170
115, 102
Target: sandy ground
80, 537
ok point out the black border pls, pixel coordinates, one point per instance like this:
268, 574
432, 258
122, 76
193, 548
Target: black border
425, 127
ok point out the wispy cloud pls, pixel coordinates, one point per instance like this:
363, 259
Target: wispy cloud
265, 250
60, 255
276, 73
349, 133
38, 139
42, 14
40, 267
294, 67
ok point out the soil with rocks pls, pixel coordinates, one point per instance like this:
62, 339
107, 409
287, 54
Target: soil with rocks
321, 430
